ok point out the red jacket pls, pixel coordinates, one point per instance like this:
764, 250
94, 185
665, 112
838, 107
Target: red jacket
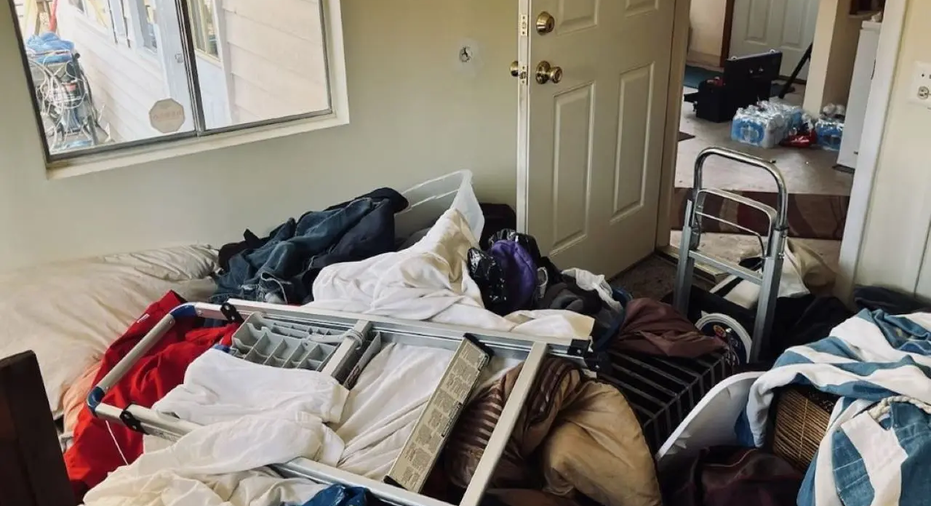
94, 453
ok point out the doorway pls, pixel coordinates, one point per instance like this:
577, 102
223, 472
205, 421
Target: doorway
758, 26
818, 186
593, 79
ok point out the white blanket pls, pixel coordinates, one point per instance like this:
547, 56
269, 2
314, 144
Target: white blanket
218, 465
219, 387
374, 419
430, 281
384, 405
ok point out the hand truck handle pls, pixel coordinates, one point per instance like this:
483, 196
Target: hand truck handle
782, 203
96, 395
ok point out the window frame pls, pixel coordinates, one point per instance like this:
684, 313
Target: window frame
138, 18
92, 14
88, 15
107, 157
201, 36
118, 21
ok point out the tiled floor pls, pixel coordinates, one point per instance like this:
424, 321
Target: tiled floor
805, 171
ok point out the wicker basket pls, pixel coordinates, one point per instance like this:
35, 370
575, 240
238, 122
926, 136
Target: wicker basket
802, 416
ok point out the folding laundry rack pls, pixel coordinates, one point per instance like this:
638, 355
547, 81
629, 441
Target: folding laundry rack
284, 336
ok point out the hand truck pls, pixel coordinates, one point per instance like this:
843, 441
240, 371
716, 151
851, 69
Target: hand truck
730, 324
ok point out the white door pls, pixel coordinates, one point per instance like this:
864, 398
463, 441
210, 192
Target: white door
785, 25
591, 146
212, 57
171, 53
214, 96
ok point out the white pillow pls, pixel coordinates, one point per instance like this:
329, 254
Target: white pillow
69, 313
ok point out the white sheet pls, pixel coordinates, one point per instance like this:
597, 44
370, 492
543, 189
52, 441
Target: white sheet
219, 387
597, 282
216, 465
368, 425
384, 405
430, 281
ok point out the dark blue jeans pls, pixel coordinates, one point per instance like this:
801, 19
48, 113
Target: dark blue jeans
283, 269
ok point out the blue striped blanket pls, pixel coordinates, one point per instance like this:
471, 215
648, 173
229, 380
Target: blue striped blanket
877, 450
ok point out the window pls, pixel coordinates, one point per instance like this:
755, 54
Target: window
205, 35
163, 81
147, 23
96, 10
99, 11
78, 4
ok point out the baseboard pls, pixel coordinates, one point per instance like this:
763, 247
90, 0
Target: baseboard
703, 59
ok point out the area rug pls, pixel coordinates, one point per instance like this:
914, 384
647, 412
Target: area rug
653, 278
810, 216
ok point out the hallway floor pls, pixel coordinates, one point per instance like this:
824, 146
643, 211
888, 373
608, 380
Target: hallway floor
808, 171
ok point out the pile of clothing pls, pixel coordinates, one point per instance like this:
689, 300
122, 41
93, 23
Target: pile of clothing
514, 276
875, 369
729, 475
251, 416
879, 435
281, 268
577, 438
430, 281
100, 447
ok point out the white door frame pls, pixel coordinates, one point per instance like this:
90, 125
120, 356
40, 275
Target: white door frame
870, 146
890, 41
680, 49
873, 136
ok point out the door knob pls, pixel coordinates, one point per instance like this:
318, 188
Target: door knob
519, 71
545, 23
548, 73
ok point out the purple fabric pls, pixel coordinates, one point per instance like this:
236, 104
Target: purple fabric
520, 273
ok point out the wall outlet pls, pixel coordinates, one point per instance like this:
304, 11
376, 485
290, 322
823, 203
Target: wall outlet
920, 91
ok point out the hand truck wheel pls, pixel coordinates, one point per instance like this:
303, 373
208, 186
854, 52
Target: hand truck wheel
730, 331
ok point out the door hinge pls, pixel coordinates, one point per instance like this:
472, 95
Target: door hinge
524, 25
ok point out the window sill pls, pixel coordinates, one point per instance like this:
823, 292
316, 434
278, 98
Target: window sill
130, 157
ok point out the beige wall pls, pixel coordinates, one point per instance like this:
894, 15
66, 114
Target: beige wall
833, 56
415, 114
895, 249
707, 23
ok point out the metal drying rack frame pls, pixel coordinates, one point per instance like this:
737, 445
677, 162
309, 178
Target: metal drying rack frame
529, 348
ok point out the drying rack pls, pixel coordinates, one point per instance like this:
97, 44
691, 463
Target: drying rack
343, 360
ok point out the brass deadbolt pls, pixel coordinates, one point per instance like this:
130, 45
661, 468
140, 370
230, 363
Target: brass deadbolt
545, 23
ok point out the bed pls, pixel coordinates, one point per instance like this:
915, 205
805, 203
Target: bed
68, 313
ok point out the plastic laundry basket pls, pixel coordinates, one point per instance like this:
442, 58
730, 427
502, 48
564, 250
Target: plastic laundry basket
429, 200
